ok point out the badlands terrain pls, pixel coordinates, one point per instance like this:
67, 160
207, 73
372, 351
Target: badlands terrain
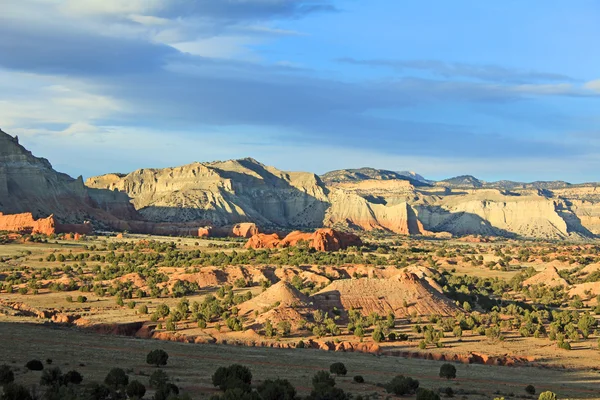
288, 272
179, 200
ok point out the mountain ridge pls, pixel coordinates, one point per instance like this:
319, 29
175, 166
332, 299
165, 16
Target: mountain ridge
224, 193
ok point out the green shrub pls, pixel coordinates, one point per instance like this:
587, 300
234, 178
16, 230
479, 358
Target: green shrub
232, 377
278, 389
13, 391
34, 365
402, 385
338, 368
426, 394
448, 371
116, 378
135, 390
547, 396
6, 375
157, 357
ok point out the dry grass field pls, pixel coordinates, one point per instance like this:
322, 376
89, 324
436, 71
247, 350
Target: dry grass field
193, 364
41, 318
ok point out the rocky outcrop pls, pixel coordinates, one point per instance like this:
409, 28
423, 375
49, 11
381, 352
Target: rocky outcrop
25, 224
29, 184
242, 230
322, 240
224, 193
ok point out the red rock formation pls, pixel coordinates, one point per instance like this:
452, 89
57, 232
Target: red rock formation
245, 230
263, 241
324, 239
25, 223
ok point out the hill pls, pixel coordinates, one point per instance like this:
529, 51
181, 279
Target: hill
30, 184
402, 295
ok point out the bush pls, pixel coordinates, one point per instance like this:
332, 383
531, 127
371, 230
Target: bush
12, 391
426, 394
448, 371
359, 379
564, 345
448, 391
547, 396
6, 375
166, 392
378, 335
402, 385
323, 378
530, 389
73, 377
338, 368
99, 392
143, 309
158, 378
278, 389
135, 390
34, 365
116, 378
157, 357
328, 393
232, 377
52, 377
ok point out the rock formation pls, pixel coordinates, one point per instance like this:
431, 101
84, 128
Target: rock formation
201, 198
25, 224
324, 239
400, 295
548, 277
29, 184
224, 193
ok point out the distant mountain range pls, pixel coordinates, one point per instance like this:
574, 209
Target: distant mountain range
179, 200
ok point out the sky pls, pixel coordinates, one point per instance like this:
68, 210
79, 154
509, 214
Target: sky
496, 89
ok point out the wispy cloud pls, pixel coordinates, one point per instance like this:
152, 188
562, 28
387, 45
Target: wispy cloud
94, 73
490, 73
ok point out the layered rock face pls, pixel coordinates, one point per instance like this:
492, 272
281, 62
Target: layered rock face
29, 184
223, 193
230, 192
374, 204
322, 240
200, 198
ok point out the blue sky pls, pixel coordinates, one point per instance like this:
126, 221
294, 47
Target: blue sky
500, 90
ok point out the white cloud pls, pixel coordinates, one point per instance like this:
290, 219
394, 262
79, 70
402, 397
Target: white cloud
30, 99
220, 47
593, 85
112, 7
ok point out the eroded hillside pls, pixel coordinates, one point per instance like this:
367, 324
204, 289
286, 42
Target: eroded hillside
246, 190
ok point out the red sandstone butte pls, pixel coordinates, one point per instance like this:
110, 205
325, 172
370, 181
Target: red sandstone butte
25, 223
324, 239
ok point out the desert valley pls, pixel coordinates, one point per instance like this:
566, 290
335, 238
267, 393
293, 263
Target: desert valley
234, 262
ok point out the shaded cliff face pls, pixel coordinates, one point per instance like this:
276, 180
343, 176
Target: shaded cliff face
234, 191
29, 184
225, 193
